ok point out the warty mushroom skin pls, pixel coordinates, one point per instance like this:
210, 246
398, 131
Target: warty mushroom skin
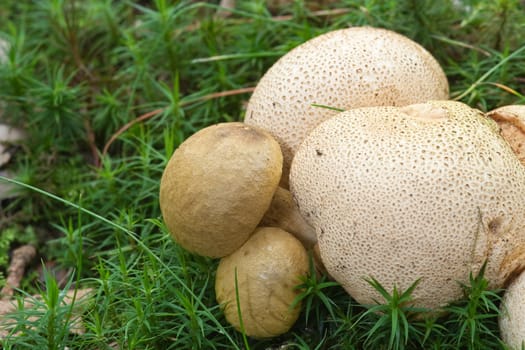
346, 68
429, 191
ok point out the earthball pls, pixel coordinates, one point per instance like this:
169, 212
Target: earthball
346, 68
426, 192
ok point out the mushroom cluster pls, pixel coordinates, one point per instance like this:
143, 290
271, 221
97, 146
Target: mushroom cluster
218, 191
402, 186
346, 68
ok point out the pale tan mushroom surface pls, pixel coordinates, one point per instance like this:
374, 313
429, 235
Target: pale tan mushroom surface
283, 213
511, 120
267, 268
217, 186
347, 68
512, 319
428, 192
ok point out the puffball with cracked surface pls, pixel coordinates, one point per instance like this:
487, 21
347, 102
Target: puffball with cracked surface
267, 268
217, 186
347, 68
429, 191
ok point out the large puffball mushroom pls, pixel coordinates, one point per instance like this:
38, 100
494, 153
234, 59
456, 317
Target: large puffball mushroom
283, 213
512, 316
347, 68
266, 271
217, 186
427, 191
511, 120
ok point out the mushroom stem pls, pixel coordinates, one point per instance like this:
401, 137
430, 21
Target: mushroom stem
318, 262
284, 213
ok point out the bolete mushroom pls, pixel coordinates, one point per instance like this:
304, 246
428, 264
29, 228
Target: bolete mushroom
425, 192
266, 271
512, 316
347, 68
511, 120
217, 186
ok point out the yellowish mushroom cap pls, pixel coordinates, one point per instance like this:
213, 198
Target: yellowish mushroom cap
347, 68
217, 186
269, 266
427, 191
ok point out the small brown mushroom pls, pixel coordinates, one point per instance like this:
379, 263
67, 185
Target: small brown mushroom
267, 268
217, 186
283, 213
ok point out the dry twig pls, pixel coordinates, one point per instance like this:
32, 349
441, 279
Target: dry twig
22, 256
160, 110
226, 7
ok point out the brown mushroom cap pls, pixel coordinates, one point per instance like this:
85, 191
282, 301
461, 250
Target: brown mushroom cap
511, 120
427, 191
268, 267
512, 317
347, 68
217, 186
